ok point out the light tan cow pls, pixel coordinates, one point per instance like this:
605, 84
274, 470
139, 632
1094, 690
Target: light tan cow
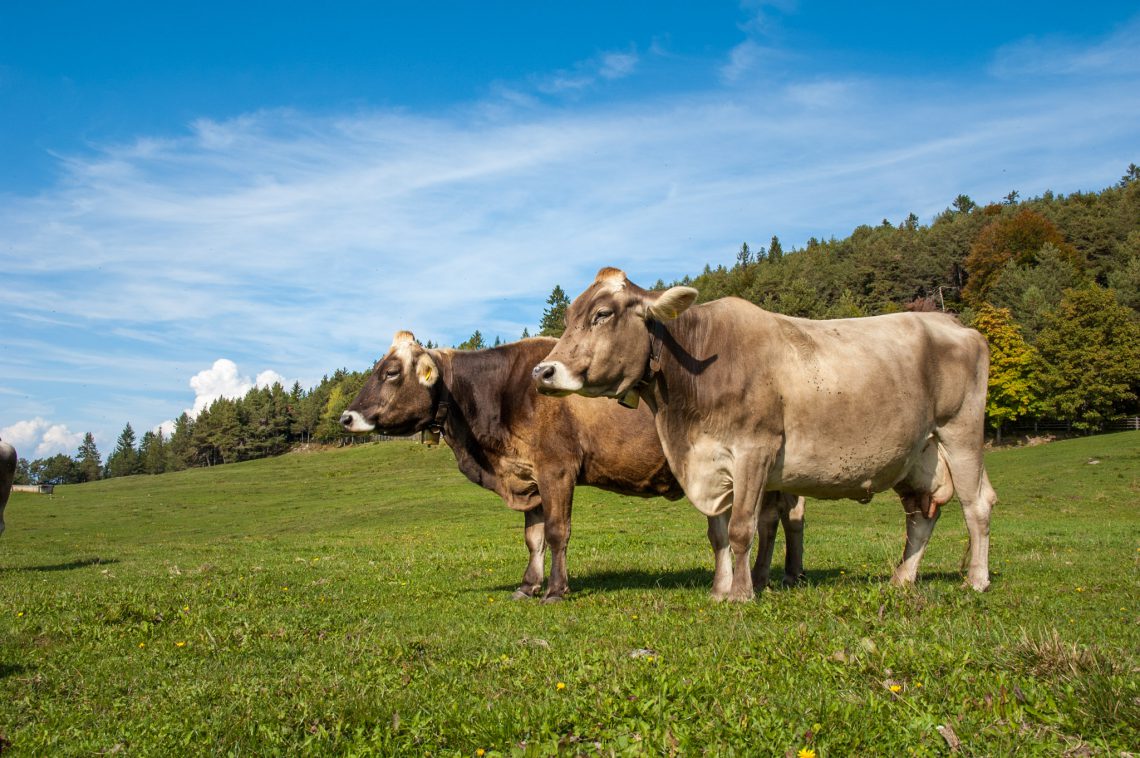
747, 401
7, 476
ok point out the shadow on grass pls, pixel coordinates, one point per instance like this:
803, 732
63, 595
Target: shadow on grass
69, 566
699, 578
11, 669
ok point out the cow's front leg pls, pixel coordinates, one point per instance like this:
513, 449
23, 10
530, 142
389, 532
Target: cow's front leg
722, 556
557, 500
749, 476
535, 533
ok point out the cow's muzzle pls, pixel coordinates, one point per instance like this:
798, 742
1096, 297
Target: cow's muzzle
552, 378
354, 421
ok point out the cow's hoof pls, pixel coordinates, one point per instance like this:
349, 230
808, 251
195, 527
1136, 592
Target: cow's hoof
978, 585
903, 580
792, 581
551, 599
741, 597
521, 594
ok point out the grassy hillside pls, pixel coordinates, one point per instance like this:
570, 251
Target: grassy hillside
358, 601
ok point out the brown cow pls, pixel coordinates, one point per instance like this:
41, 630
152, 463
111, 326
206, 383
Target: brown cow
7, 476
529, 449
747, 401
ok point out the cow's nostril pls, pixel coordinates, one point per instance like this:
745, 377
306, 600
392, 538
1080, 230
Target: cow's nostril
545, 373
346, 419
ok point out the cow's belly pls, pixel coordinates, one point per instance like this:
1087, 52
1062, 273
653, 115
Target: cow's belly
838, 471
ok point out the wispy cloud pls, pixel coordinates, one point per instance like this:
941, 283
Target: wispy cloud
1117, 55
607, 66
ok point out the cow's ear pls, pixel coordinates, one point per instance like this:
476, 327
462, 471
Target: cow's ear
671, 303
426, 370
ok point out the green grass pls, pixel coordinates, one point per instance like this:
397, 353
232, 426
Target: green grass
357, 601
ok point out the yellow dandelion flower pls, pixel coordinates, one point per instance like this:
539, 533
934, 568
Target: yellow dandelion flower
20, 614
896, 688
142, 644
480, 752
650, 658
185, 608
560, 686
806, 752
1080, 589
180, 644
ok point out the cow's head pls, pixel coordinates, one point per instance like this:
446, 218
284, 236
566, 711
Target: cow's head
401, 395
605, 348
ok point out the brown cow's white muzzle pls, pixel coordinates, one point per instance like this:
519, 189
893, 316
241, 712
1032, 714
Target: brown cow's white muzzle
353, 421
553, 378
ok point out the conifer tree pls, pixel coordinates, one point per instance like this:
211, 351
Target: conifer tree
554, 317
474, 342
124, 460
775, 250
88, 461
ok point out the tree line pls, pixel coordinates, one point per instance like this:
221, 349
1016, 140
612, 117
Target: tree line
1053, 283
266, 421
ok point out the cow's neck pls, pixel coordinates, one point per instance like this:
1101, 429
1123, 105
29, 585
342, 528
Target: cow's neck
667, 382
472, 424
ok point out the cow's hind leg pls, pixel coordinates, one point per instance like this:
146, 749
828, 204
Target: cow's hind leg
792, 518
920, 521
535, 532
787, 510
972, 484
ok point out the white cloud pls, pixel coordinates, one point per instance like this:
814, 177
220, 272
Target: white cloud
223, 380
39, 438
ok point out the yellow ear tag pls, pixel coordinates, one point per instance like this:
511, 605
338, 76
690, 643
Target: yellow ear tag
427, 373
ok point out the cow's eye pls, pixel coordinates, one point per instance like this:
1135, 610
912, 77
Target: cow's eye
602, 315
391, 373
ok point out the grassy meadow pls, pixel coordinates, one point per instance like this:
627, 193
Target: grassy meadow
357, 601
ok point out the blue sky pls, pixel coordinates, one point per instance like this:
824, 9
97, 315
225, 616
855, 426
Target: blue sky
195, 198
